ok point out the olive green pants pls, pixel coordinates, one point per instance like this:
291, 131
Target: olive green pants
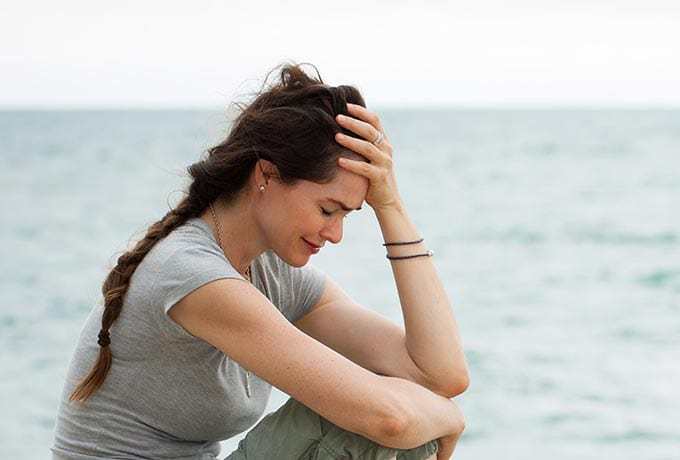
296, 432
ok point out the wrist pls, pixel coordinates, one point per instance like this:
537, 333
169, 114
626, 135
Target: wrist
395, 225
396, 206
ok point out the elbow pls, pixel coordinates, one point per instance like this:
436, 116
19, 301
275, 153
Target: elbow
388, 432
387, 418
460, 386
394, 433
393, 428
456, 385
395, 422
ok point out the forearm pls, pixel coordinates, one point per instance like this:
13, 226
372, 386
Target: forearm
432, 337
425, 415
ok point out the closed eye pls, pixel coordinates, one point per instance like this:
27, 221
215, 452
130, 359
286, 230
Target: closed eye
327, 213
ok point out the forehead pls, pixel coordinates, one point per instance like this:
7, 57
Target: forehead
347, 187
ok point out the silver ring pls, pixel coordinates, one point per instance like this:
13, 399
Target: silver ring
378, 139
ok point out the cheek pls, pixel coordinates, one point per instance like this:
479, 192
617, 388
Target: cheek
310, 223
303, 221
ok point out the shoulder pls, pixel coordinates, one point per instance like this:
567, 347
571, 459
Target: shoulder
191, 234
185, 260
189, 248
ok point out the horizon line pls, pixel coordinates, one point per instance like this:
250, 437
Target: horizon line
377, 107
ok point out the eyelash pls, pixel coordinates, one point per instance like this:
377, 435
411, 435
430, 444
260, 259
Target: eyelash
328, 214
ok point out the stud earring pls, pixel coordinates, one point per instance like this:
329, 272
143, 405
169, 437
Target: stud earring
261, 188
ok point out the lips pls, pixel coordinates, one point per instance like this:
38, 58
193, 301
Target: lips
312, 244
312, 247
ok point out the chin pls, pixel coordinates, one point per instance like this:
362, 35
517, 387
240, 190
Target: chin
299, 259
300, 264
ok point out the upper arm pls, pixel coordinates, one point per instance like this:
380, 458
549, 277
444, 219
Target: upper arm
362, 335
236, 318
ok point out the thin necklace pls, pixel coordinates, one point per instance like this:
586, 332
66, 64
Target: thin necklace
247, 275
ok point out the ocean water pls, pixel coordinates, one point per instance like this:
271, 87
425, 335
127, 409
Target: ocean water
556, 234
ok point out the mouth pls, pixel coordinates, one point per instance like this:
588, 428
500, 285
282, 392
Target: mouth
312, 247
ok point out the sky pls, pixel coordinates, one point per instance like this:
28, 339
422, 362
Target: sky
204, 54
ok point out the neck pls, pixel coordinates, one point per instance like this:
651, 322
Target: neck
240, 235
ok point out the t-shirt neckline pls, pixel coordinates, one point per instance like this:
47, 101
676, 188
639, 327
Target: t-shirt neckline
204, 225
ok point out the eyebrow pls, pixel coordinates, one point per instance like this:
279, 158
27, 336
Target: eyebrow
343, 205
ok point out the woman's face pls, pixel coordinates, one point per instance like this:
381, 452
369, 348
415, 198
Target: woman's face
310, 212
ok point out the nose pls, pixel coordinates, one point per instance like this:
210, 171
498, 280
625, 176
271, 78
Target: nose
333, 231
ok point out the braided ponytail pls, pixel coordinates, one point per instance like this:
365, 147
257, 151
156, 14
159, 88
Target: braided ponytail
115, 287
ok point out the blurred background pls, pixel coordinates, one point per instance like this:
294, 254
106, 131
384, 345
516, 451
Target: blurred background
536, 147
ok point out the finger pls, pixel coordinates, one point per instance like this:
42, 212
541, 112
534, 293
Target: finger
363, 129
366, 115
359, 167
362, 147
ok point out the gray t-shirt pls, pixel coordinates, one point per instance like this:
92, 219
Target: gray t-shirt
169, 394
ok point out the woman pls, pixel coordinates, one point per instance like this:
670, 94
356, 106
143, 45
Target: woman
218, 302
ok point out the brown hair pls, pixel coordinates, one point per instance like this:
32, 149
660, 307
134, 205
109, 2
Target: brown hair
291, 123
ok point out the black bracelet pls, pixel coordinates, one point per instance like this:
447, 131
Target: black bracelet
429, 253
399, 243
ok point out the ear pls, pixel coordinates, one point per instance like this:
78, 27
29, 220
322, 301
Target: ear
264, 170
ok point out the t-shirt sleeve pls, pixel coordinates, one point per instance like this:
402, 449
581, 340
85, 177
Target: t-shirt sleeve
187, 269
